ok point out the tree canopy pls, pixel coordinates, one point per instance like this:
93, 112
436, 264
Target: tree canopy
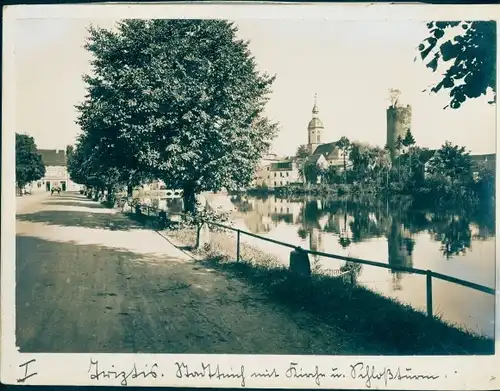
408, 140
29, 164
471, 54
177, 100
452, 164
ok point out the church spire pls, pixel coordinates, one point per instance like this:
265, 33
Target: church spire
315, 109
314, 129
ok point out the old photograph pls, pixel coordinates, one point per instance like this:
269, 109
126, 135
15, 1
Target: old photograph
268, 186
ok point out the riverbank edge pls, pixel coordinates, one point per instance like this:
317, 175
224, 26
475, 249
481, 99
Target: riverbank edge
398, 328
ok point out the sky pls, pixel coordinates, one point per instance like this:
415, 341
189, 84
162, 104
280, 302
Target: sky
349, 65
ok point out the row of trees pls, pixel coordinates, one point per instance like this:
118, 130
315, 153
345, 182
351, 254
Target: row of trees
447, 172
29, 164
177, 100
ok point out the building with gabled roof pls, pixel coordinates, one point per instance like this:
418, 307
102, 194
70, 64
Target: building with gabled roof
53, 157
56, 172
277, 173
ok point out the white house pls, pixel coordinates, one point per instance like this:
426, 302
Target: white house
261, 174
280, 173
56, 172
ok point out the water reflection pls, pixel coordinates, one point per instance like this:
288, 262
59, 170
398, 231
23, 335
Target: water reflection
400, 244
356, 222
394, 233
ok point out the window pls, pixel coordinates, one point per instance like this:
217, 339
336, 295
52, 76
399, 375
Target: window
274, 183
287, 174
267, 168
275, 175
281, 183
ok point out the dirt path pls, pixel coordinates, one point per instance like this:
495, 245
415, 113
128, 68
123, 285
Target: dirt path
90, 280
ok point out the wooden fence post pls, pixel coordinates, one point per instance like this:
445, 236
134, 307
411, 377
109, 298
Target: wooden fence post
429, 293
237, 245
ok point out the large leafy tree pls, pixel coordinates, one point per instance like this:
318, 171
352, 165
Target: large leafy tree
89, 164
181, 100
471, 55
29, 164
363, 159
452, 164
111, 142
330, 175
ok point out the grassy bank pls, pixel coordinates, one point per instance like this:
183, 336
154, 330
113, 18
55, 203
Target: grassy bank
395, 327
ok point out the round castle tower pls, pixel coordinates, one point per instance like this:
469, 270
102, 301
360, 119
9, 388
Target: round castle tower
398, 123
314, 129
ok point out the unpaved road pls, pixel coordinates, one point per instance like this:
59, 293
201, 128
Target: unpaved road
90, 280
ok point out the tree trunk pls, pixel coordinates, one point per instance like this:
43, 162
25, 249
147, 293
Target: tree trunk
110, 196
129, 190
345, 169
189, 197
202, 235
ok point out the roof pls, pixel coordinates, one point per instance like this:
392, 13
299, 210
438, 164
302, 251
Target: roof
425, 155
53, 157
314, 158
325, 149
315, 123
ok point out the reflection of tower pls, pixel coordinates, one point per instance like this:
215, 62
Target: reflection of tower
398, 123
315, 239
315, 243
400, 245
314, 130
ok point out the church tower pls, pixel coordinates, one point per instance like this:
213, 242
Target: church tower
314, 129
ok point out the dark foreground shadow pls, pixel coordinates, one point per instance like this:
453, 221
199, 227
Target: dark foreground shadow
113, 222
67, 197
395, 328
63, 202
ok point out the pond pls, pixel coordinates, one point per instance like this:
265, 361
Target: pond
457, 244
